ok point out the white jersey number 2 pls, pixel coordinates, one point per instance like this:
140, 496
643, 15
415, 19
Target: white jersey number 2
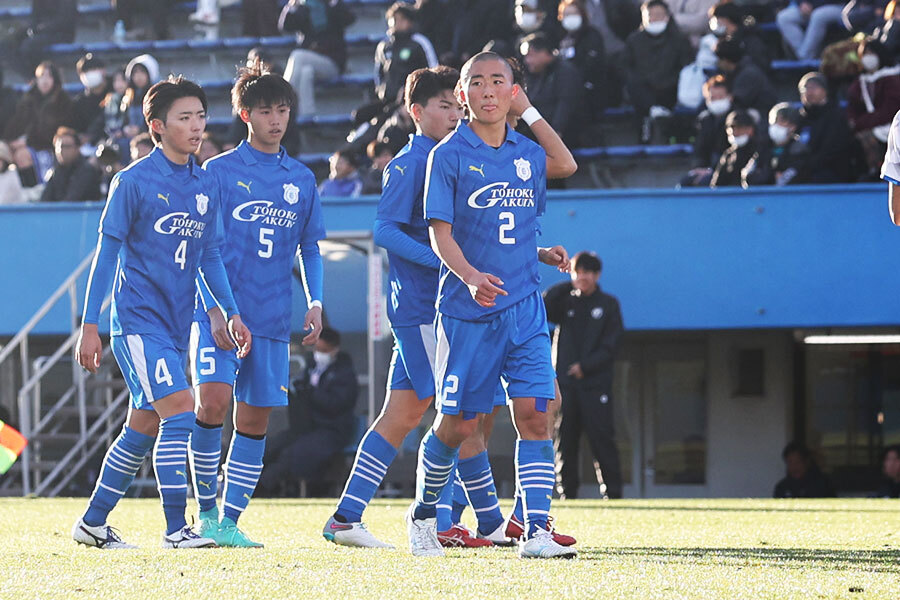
506, 227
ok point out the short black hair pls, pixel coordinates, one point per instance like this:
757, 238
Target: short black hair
715, 81
730, 49
377, 147
89, 62
403, 9
348, 155
141, 138
66, 132
785, 111
796, 448
587, 261
481, 57
740, 118
651, 3
518, 72
895, 448
538, 41
161, 95
256, 86
330, 337
424, 84
728, 10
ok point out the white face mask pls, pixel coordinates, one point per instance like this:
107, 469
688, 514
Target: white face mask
738, 141
656, 27
527, 21
571, 22
716, 28
779, 133
91, 79
323, 359
720, 106
870, 62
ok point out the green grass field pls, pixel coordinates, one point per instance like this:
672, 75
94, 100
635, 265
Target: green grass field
627, 549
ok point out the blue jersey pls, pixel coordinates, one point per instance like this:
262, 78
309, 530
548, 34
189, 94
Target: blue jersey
413, 286
269, 207
492, 197
165, 215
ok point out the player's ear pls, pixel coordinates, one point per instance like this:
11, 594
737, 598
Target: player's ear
157, 126
515, 90
245, 115
461, 95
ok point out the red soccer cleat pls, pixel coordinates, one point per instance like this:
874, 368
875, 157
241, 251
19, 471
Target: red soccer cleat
460, 537
515, 528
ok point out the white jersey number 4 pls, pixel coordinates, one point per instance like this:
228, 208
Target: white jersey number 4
181, 254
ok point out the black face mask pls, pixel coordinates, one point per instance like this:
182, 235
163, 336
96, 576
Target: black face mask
814, 110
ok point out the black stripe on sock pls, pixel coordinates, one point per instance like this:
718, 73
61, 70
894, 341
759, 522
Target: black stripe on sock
208, 425
251, 436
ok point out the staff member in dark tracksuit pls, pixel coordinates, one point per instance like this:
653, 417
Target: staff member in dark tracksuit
589, 327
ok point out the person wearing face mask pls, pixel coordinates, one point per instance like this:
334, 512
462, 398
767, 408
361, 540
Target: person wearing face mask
742, 145
320, 420
654, 56
87, 106
872, 101
783, 159
583, 47
727, 20
711, 140
750, 86
826, 131
532, 16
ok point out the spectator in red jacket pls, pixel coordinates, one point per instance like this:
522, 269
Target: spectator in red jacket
873, 99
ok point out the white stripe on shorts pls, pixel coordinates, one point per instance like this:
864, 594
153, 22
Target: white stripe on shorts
429, 341
136, 349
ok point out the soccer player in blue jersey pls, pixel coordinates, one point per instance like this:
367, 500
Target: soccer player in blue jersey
272, 217
485, 187
161, 224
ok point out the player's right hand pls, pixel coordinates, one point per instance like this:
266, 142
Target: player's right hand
484, 288
219, 329
519, 102
89, 349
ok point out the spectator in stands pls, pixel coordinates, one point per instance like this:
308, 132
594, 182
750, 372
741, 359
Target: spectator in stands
322, 54
711, 138
321, 419
890, 466
260, 17
554, 87
783, 158
654, 56
582, 46
727, 20
9, 98
477, 24
401, 53
141, 145
750, 86
615, 20
52, 22
43, 109
110, 124
803, 478
10, 185
872, 101
863, 15
87, 106
742, 145
380, 153
142, 72
209, 146
107, 160
157, 12
343, 179
888, 30
532, 17
692, 17
207, 13
804, 23
73, 178
825, 131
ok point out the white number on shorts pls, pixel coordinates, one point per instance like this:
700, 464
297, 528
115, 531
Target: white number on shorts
162, 372
451, 384
181, 254
207, 358
509, 225
266, 251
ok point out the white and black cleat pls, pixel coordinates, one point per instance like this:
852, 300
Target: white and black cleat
186, 538
101, 536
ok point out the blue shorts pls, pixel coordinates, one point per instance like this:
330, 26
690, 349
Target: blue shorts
152, 367
472, 356
260, 379
412, 363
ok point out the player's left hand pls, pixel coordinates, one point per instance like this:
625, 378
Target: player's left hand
555, 256
241, 335
575, 371
313, 321
219, 329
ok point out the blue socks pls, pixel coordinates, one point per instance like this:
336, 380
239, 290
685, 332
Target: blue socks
536, 475
374, 456
206, 452
433, 473
478, 479
242, 469
170, 464
444, 512
122, 461
519, 510
460, 501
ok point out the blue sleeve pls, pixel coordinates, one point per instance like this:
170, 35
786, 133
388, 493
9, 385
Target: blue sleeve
206, 296
440, 184
540, 183
214, 237
212, 270
120, 210
100, 280
311, 271
398, 190
389, 236
314, 228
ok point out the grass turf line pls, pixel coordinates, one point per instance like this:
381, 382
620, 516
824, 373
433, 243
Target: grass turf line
643, 549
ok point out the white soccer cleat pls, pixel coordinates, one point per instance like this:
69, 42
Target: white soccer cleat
423, 539
542, 545
186, 538
498, 536
351, 534
101, 536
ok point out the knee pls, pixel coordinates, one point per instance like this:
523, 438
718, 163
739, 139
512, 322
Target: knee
533, 425
454, 431
213, 408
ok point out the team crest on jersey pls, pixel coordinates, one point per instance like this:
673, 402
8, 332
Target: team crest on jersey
523, 168
291, 193
202, 203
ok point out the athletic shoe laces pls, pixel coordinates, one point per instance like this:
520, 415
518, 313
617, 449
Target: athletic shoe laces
112, 535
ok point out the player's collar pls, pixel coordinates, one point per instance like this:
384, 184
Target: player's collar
470, 136
422, 140
162, 163
245, 151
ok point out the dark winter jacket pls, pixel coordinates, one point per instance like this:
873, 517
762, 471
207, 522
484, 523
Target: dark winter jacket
873, 99
656, 61
321, 24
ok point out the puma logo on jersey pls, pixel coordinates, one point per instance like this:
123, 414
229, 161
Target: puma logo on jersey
479, 169
205, 484
245, 185
163, 198
181, 473
401, 169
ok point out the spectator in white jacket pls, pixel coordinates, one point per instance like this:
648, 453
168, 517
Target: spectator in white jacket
692, 17
10, 186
